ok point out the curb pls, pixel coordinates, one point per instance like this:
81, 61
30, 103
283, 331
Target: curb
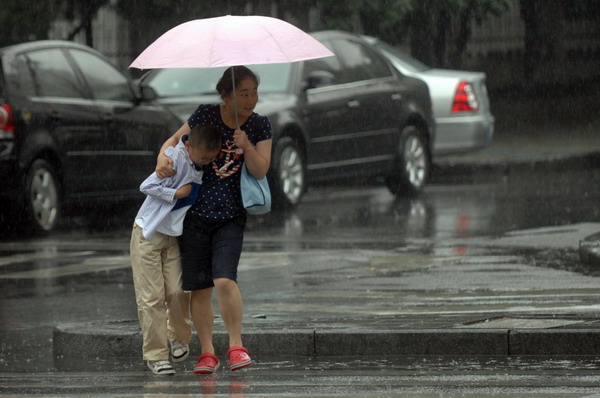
123, 339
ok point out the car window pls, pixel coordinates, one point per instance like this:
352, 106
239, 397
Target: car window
360, 62
47, 73
24, 76
274, 78
327, 64
412, 64
185, 82
104, 80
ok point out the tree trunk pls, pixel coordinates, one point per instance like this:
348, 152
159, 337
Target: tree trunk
543, 28
423, 22
460, 39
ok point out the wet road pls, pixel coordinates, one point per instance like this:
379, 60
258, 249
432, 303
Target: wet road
339, 377
81, 273
366, 215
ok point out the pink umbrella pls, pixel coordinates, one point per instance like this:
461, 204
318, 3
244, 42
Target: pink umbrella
228, 41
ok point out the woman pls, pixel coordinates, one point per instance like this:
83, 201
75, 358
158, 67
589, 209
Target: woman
213, 229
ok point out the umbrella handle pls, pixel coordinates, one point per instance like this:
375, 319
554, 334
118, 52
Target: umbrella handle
238, 151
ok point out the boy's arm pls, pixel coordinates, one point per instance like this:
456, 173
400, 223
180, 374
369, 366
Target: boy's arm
160, 188
184, 191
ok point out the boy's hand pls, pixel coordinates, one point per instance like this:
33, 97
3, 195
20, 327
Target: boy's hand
164, 166
184, 191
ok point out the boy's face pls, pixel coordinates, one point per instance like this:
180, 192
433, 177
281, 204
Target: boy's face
201, 157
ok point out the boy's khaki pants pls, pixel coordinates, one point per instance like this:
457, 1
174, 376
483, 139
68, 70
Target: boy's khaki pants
163, 308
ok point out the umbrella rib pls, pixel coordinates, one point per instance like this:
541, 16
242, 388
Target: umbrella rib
279, 46
212, 44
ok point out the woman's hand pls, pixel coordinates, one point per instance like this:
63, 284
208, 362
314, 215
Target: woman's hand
240, 139
164, 166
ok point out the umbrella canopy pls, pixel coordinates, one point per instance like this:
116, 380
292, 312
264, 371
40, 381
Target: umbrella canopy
230, 40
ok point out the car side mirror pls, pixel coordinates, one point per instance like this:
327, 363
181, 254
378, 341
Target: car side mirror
319, 78
143, 93
147, 93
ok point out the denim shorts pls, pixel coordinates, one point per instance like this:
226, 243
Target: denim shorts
210, 249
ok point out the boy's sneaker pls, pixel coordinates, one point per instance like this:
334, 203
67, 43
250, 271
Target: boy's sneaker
207, 364
161, 367
179, 351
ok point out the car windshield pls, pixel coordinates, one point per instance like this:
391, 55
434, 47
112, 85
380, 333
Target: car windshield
409, 62
198, 81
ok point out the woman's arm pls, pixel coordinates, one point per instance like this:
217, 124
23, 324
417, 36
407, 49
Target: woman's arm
258, 159
163, 162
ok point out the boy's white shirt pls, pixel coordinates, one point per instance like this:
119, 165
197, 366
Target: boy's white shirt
156, 213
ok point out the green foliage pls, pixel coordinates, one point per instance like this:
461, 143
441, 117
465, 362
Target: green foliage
378, 18
25, 20
437, 30
177, 11
151, 18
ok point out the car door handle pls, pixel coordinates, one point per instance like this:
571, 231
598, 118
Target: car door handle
397, 97
55, 115
353, 104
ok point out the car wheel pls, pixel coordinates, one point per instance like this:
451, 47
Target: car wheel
42, 196
289, 173
412, 164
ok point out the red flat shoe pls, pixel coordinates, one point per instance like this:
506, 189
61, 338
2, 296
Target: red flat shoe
238, 358
207, 363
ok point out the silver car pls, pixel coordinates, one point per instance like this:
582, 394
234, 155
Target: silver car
461, 107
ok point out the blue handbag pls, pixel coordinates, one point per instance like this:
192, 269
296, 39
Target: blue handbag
256, 195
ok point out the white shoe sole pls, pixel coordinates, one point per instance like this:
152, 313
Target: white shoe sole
161, 370
181, 358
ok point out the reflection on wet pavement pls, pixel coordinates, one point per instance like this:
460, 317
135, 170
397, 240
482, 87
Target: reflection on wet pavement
344, 253
336, 376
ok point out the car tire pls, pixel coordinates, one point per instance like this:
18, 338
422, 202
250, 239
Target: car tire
288, 173
42, 197
411, 164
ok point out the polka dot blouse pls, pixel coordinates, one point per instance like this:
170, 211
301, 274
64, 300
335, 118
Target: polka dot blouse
219, 196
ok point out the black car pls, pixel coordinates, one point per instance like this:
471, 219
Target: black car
337, 117
72, 129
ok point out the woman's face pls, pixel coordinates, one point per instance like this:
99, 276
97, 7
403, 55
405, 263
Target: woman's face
246, 97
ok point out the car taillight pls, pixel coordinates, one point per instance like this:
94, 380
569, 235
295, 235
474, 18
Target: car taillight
6, 120
465, 98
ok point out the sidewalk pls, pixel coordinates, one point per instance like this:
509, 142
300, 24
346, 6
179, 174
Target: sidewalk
340, 327
430, 313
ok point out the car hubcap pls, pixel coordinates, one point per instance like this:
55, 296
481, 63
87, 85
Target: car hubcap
291, 174
415, 161
44, 203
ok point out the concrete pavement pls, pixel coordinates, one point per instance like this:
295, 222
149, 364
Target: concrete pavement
315, 322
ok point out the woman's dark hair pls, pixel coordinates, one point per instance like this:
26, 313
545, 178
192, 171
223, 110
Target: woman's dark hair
225, 85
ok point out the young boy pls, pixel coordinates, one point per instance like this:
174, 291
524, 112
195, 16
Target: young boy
163, 308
